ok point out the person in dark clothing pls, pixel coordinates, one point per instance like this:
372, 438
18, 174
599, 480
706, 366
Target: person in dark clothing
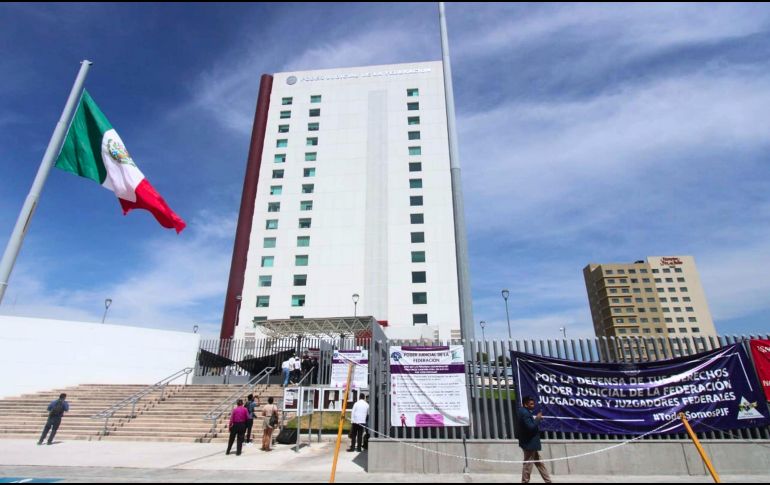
250, 406
307, 366
237, 427
529, 440
314, 370
56, 411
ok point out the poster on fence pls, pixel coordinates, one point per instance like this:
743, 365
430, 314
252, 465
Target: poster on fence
340, 361
716, 390
427, 387
760, 350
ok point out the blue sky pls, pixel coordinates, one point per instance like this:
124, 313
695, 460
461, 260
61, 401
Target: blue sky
588, 133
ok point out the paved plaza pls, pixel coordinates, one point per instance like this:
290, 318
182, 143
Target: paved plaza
118, 461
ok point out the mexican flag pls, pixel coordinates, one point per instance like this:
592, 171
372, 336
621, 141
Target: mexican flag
94, 150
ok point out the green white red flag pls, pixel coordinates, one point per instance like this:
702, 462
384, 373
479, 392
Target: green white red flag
94, 150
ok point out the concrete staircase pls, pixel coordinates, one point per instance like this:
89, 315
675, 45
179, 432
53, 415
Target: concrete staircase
178, 418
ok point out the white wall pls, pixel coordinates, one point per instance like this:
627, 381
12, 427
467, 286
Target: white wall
42, 354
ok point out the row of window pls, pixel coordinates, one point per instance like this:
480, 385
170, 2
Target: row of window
658, 330
642, 270
313, 113
314, 98
615, 291
418, 298
623, 281
663, 299
656, 320
278, 189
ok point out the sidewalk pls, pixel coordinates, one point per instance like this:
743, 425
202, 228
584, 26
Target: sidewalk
118, 461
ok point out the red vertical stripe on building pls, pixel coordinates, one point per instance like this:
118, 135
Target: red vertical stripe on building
246, 214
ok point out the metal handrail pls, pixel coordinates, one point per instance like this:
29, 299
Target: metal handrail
134, 398
227, 404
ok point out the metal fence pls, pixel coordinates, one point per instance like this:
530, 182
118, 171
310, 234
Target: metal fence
491, 389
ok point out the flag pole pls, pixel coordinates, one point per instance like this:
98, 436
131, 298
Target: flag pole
30, 204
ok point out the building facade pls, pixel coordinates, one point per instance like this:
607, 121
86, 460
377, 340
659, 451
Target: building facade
661, 296
353, 197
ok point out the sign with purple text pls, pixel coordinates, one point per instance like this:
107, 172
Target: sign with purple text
341, 361
427, 387
715, 389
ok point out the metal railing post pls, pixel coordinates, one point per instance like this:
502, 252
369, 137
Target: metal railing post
133, 409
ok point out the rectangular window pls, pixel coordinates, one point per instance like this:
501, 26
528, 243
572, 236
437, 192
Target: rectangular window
417, 218
277, 174
285, 115
306, 205
609, 271
286, 101
692, 319
296, 317
279, 158
415, 150
666, 270
414, 135
313, 126
259, 319
268, 242
303, 241
412, 92
315, 98
415, 183
686, 298
419, 319
301, 260
273, 207
304, 223
415, 167
283, 128
695, 330
418, 256
271, 224
308, 188
282, 143
419, 276
276, 189
297, 300
413, 106
300, 280
419, 298
683, 289
265, 281
415, 200
308, 172
311, 156
312, 141
315, 112
414, 120
418, 237
263, 301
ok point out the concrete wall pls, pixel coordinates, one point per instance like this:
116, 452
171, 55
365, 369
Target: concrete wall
43, 354
671, 457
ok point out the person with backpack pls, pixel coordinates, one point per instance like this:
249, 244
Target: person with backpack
270, 416
56, 411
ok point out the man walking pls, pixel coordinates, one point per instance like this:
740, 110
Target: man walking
237, 427
55, 412
358, 417
529, 440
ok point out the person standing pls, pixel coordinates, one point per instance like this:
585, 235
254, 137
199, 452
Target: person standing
306, 366
56, 411
238, 419
270, 416
286, 370
314, 369
297, 372
529, 440
250, 407
358, 417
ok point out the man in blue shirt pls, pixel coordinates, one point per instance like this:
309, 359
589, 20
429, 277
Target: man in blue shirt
529, 440
55, 412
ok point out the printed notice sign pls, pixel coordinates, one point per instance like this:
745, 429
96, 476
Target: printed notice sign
340, 362
428, 387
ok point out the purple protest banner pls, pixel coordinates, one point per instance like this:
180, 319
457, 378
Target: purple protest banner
715, 390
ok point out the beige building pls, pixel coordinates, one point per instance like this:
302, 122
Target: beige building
659, 297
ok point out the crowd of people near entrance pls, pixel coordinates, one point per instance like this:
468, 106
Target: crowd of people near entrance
294, 370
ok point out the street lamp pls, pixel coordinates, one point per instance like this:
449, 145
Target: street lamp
483, 324
506, 293
107, 304
563, 331
238, 309
355, 304
195, 329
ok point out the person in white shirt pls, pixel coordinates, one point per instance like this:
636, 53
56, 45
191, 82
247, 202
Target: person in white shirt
286, 370
296, 370
358, 417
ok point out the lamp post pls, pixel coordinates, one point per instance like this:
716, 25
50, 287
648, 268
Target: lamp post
563, 331
238, 309
506, 293
195, 329
483, 324
107, 304
355, 304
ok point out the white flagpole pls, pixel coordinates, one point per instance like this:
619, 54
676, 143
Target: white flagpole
467, 327
51, 154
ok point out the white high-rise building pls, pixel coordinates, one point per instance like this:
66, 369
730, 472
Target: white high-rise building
354, 196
